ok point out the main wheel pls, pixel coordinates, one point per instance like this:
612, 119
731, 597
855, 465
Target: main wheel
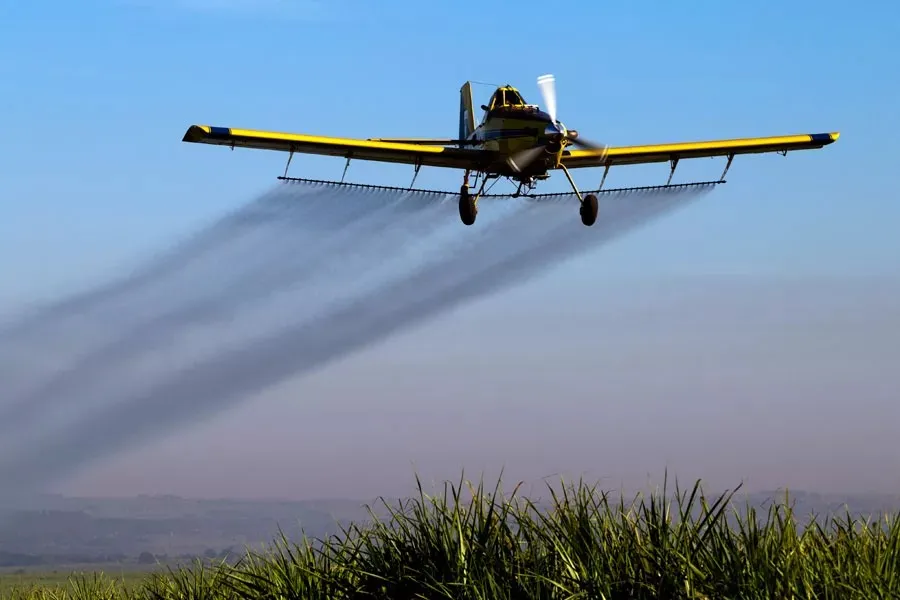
467, 209
589, 209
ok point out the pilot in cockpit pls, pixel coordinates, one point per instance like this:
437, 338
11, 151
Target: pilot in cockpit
513, 98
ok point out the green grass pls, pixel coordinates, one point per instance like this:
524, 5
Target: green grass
474, 543
68, 584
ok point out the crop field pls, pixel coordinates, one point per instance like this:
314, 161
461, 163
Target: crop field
475, 542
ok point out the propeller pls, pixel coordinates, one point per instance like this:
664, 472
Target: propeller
547, 85
555, 131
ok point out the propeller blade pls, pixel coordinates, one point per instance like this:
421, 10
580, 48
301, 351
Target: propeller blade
574, 138
585, 143
523, 158
547, 85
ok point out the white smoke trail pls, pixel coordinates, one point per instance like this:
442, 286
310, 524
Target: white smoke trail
339, 271
76, 322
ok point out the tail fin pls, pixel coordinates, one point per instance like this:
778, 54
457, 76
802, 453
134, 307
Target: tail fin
466, 111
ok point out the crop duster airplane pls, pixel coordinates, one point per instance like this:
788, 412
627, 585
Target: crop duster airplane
515, 140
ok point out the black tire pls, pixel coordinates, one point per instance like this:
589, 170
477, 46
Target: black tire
467, 209
589, 210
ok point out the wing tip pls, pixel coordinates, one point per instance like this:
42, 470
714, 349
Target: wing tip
196, 133
825, 138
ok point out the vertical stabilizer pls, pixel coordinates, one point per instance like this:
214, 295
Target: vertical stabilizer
466, 111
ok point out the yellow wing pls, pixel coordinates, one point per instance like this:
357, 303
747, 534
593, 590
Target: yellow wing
384, 151
632, 155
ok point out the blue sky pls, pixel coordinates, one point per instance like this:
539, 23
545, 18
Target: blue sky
95, 96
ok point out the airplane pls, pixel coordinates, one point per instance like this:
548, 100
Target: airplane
518, 141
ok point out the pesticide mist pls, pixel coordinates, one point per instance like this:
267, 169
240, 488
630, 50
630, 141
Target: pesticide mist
300, 277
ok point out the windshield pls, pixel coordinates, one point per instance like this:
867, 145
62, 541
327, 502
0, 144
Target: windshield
513, 97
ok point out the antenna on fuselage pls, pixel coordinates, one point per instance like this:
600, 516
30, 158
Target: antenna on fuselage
494, 85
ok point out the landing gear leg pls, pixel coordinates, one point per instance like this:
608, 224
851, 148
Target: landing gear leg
589, 205
468, 205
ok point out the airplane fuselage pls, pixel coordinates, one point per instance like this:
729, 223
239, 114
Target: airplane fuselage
510, 130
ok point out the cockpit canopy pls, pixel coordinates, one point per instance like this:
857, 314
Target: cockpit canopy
506, 101
505, 96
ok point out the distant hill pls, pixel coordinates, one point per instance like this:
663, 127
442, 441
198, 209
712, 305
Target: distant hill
55, 530
58, 529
